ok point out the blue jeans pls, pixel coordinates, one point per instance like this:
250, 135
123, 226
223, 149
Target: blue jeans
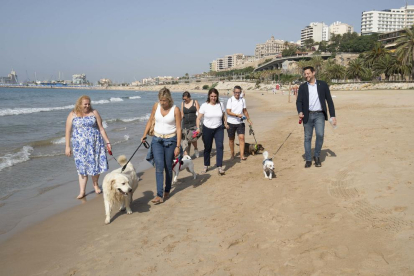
317, 121
218, 135
163, 151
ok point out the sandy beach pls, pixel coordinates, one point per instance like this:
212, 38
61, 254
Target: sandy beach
352, 216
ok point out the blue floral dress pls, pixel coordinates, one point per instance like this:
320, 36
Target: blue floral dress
88, 146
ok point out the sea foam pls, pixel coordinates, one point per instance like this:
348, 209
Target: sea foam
11, 159
20, 111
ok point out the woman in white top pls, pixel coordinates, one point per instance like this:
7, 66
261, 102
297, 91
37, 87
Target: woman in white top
166, 141
214, 117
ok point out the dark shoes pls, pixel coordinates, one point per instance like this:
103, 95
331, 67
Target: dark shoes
317, 162
308, 164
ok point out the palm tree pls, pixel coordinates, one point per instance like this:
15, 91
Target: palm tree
374, 54
302, 64
401, 69
384, 65
405, 48
356, 69
317, 62
336, 71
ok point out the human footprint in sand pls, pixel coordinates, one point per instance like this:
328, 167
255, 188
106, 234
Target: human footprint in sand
84, 125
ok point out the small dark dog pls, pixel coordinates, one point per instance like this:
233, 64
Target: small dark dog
252, 148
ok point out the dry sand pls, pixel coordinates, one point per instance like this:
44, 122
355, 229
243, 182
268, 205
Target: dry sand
352, 216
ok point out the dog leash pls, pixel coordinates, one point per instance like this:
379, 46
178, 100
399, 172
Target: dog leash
284, 142
251, 132
110, 153
146, 145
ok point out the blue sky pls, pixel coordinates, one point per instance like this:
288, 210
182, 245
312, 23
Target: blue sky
126, 40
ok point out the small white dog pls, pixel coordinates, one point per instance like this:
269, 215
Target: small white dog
268, 166
186, 163
118, 188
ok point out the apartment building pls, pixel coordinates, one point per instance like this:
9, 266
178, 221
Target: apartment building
339, 28
318, 31
226, 62
79, 79
387, 20
271, 47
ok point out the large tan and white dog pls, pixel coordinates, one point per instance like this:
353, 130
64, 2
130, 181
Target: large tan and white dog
118, 188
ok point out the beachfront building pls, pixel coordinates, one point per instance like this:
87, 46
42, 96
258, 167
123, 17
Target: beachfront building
318, 31
164, 79
339, 28
271, 47
226, 62
148, 81
105, 82
387, 20
135, 83
10, 79
79, 79
389, 39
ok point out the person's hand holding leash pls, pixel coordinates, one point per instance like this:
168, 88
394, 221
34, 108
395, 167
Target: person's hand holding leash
143, 138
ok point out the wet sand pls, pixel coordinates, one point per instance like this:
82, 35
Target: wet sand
352, 216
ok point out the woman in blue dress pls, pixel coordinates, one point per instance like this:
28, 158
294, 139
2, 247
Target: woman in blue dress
84, 126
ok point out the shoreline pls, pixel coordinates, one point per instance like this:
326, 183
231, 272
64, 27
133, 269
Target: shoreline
247, 85
354, 215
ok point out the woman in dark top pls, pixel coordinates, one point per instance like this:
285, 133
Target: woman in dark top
189, 111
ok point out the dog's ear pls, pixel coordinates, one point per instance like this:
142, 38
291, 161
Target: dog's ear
112, 183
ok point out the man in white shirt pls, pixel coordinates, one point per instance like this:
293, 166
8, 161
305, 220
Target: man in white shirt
236, 111
311, 104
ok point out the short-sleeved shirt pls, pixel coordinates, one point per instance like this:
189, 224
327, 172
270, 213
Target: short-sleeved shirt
236, 106
213, 114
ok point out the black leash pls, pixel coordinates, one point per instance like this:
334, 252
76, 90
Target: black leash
146, 145
284, 141
251, 132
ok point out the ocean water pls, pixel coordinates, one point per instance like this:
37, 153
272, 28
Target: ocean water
32, 131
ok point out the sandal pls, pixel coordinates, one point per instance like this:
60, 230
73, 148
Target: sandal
166, 195
204, 170
157, 200
243, 158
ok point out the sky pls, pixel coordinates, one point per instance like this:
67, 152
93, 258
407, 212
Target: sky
129, 40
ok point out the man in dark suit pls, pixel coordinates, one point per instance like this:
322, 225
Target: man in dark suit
311, 105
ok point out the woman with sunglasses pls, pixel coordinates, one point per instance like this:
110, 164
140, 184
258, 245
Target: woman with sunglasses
213, 128
189, 110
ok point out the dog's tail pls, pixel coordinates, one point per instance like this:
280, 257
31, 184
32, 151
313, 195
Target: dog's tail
122, 160
265, 155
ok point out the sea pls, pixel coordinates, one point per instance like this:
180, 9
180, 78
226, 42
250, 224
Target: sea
35, 173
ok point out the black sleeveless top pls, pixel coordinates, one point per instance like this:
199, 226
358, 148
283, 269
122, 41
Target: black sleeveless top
190, 116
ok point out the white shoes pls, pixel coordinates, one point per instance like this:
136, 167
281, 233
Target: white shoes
196, 154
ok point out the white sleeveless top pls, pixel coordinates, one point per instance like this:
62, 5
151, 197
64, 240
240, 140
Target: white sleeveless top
165, 124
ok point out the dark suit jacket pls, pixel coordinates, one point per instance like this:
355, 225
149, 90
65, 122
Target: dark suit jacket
302, 102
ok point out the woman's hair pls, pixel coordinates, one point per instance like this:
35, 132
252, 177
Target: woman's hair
78, 106
165, 93
213, 90
186, 94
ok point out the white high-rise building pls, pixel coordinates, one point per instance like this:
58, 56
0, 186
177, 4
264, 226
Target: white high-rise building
318, 31
387, 20
340, 28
